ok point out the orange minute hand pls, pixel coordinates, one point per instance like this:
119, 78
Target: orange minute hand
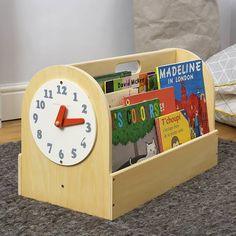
60, 116
73, 121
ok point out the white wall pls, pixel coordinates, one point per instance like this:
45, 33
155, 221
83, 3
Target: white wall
225, 22
38, 33
227, 9
233, 22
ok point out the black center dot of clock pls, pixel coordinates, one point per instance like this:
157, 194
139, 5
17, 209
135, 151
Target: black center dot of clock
61, 82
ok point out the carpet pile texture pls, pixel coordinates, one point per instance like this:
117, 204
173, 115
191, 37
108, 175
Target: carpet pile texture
205, 205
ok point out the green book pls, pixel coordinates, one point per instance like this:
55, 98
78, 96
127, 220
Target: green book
133, 81
133, 133
102, 78
151, 81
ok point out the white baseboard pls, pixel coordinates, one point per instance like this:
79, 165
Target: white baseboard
11, 98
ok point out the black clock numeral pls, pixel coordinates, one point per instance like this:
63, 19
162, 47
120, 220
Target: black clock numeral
48, 93
73, 153
61, 154
40, 104
50, 147
75, 99
61, 90
39, 133
88, 130
84, 109
83, 143
35, 117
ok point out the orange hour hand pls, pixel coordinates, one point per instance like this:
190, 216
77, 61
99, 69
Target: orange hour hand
60, 116
73, 121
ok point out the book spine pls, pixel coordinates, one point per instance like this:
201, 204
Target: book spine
158, 132
158, 78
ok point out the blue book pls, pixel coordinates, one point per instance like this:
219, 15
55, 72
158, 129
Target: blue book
187, 80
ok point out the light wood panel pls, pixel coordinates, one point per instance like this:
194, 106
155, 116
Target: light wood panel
147, 62
142, 182
84, 187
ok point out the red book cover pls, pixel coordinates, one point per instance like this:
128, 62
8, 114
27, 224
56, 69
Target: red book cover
166, 97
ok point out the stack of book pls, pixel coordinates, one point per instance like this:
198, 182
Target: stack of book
154, 111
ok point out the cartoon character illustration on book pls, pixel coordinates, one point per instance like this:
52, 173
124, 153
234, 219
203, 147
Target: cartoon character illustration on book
175, 141
151, 150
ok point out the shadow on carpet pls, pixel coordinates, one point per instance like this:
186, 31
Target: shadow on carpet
205, 205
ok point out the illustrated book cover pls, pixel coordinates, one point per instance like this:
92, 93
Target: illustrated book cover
187, 80
133, 133
151, 81
166, 97
133, 81
172, 130
100, 79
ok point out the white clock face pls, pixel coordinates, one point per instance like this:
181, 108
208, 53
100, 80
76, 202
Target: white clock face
62, 122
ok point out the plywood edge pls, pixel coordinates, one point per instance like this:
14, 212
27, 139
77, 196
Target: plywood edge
142, 182
19, 173
124, 58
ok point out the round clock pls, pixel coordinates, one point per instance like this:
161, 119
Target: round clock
62, 121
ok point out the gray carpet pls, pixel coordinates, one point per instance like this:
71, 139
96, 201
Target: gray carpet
205, 205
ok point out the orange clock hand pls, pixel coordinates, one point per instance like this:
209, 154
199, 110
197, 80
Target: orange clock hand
60, 116
73, 121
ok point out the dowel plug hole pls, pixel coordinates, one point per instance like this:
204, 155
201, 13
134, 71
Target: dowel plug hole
62, 186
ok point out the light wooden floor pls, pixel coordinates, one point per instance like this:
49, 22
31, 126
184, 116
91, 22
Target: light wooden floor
10, 131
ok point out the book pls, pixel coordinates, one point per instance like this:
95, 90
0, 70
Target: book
187, 80
166, 97
142, 87
133, 81
114, 99
100, 79
151, 81
172, 130
114, 85
133, 133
